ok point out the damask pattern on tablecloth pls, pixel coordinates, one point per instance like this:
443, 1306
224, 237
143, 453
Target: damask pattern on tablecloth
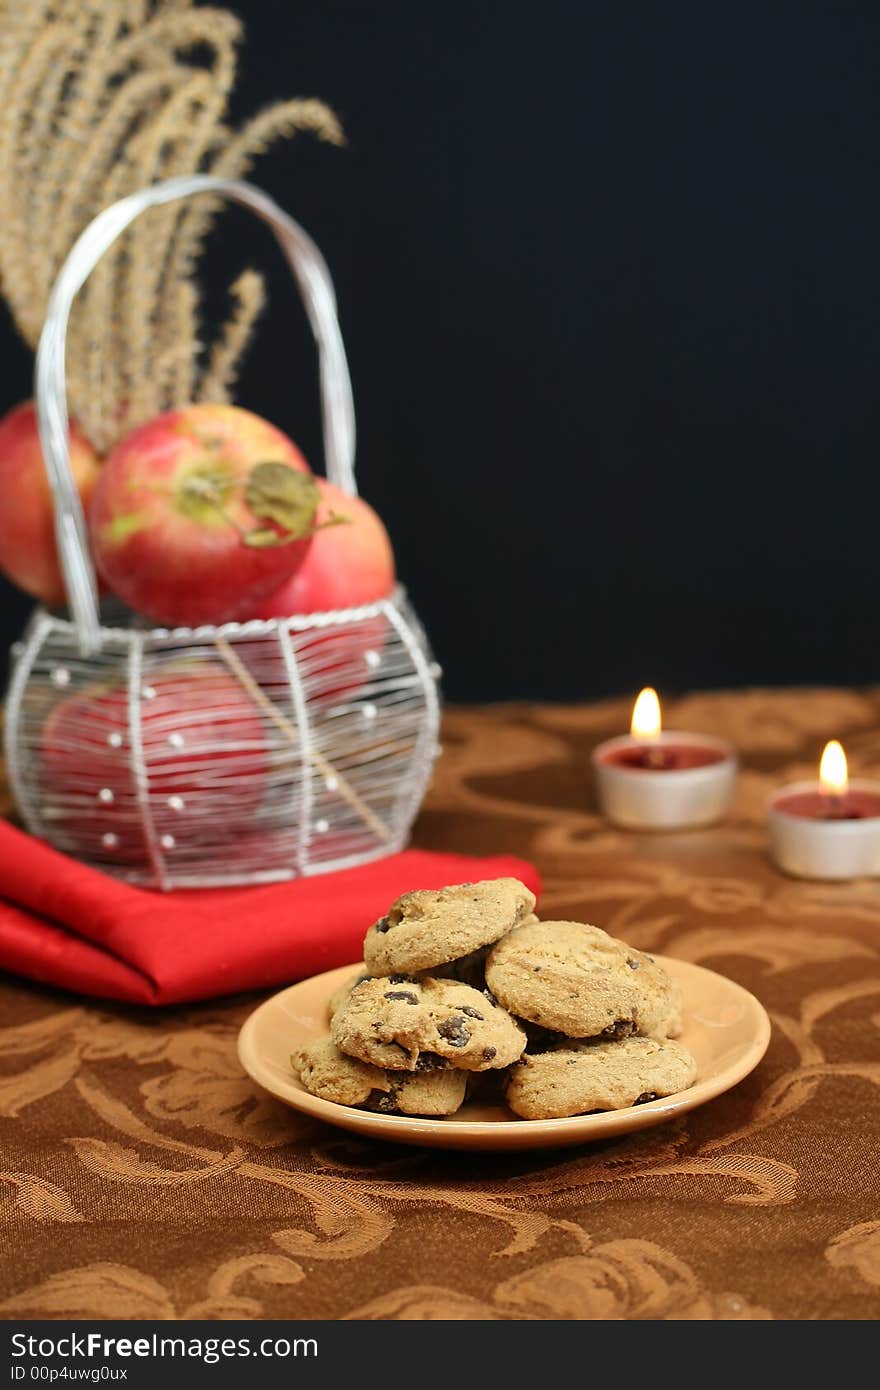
142, 1176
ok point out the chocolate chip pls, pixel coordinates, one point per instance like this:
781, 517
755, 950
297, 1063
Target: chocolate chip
489, 1053
383, 1102
382, 925
645, 1097
542, 1039
633, 964
400, 980
455, 1031
468, 970
622, 1028
536, 968
406, 994
430, 1061
472, 1012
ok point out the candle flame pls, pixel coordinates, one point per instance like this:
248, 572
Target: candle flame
646, 715
832, 769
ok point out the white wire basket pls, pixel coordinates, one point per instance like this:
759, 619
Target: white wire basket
241, 754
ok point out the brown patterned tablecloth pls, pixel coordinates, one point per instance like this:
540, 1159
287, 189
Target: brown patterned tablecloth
143, 1178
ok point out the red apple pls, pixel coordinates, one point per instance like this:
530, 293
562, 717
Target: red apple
348, 564
204, 751
201, 513
27, 518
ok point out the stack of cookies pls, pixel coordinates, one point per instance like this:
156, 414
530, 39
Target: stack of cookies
467, 981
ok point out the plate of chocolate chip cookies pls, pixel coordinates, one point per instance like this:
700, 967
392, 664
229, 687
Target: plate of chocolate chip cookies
473, 1023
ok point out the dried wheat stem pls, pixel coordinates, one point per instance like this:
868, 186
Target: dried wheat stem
97, 98
283, 120
23, 296
86, 99
97, 362
249, 292
186, 142
234, 159
191, 153
20, 26
121, 120
144, 267
182, 389
171, 32
42, 191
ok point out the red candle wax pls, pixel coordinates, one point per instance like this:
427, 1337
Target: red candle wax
853, 804
663, 757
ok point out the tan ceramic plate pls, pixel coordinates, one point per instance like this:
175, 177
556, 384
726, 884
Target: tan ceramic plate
725, 1027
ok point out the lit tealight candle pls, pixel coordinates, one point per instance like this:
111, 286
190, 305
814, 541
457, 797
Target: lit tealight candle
827, 829
651, 780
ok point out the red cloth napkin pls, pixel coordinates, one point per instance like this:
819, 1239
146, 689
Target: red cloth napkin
65, 924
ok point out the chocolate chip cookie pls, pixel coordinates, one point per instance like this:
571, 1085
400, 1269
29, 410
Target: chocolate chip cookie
326, 1072
577, 980
580, 1077
406, 1024
341, 992
470, 969
428, 928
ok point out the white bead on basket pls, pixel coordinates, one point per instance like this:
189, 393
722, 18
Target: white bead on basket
239, 754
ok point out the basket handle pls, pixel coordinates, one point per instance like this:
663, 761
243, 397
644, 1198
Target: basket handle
50, 389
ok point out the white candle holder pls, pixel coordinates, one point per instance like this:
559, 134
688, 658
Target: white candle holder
820, 847
671, 798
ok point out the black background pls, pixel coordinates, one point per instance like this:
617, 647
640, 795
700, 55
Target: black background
608, 279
